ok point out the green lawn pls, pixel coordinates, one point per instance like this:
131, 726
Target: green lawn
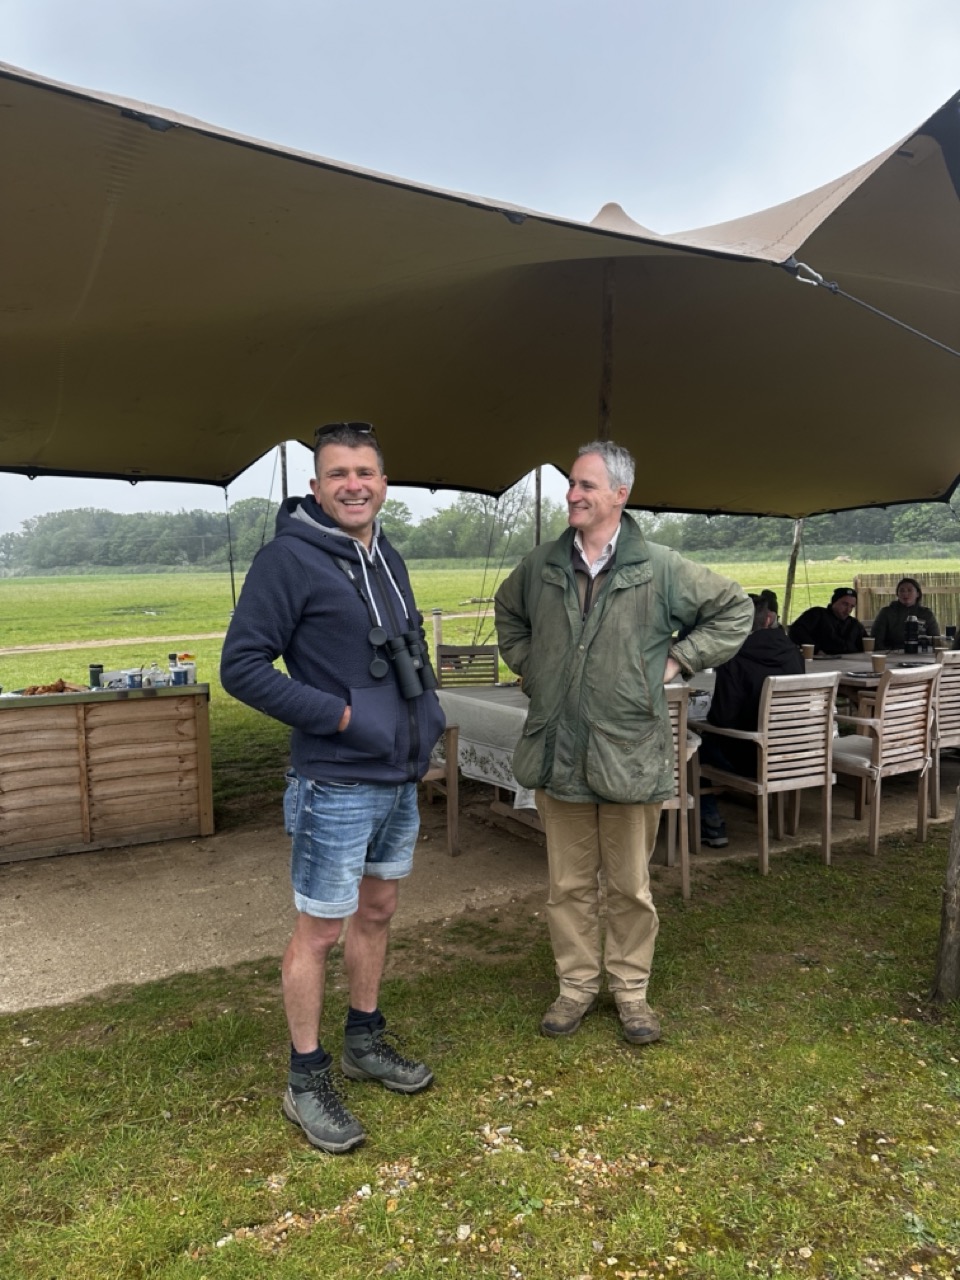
800, 1118
43, 610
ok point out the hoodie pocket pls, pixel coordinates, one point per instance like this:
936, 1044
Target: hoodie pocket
372, 731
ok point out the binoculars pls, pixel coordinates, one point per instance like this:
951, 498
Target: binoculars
409, 658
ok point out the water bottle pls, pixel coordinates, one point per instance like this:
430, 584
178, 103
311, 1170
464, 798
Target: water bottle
911, 634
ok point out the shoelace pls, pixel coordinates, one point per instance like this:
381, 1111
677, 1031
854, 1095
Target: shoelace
325, 1087
387, 1052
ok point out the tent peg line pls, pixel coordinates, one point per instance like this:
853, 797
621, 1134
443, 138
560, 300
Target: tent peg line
806, 275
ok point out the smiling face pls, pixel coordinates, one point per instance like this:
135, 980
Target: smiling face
592, 506
907, 594
350, 487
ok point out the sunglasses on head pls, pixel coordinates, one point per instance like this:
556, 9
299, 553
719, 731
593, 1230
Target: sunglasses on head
361, 428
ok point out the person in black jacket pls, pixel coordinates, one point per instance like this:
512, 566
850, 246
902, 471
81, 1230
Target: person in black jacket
888, 626
332, 598
830, 628
767, 651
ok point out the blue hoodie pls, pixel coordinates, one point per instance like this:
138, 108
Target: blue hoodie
297, 603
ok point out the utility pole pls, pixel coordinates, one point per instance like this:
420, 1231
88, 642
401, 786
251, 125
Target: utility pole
283, 470
538, 492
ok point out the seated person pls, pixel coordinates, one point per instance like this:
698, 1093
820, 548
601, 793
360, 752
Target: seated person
888, 625
767, 651
830, 628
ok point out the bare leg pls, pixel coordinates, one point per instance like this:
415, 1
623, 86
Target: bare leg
365, 950
304, 974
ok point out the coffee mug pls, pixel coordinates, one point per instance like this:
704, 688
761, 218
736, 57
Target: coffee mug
807, 651
878, 662
868, 644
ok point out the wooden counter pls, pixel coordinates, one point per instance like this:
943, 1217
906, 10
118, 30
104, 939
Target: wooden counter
85, 771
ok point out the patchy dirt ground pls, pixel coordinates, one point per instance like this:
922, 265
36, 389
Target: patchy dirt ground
78, 924
73, 925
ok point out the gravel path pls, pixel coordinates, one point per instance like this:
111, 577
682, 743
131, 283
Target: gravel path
109, 644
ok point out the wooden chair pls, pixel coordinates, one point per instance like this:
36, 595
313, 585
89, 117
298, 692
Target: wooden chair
443, 776
946, 724
467, 664
682, 802
897, 738
794, 740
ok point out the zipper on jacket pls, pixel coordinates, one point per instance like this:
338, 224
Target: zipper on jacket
414, 723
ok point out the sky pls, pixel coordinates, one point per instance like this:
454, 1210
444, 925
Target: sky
686, 113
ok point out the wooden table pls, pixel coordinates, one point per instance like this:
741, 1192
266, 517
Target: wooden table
856, 669
82, 771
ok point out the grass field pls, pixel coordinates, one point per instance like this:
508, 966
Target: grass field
43, 610
800, 1118
247, 746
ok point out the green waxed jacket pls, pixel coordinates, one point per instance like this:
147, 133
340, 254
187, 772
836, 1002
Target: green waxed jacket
598, 729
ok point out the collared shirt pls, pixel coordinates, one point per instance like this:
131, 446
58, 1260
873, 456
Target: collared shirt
603, 559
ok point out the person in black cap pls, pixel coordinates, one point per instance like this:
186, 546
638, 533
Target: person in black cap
831, 628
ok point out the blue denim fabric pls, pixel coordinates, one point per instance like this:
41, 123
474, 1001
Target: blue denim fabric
342, 832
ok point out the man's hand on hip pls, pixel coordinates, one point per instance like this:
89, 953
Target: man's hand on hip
671, 670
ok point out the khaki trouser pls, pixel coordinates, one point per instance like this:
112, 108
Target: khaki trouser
582, 840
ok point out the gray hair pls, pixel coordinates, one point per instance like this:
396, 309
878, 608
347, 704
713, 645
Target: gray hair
621, 468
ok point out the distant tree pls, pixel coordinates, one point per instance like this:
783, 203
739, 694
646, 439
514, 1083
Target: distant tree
397, 520
928, 522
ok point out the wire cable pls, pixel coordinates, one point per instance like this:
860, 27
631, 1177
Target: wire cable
266, 510
806, 275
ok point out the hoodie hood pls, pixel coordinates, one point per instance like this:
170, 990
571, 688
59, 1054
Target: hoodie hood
769, 648
304, 517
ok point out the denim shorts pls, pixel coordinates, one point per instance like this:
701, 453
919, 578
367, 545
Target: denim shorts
342, 832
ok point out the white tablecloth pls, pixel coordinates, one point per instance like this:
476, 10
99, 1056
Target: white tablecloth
491, 720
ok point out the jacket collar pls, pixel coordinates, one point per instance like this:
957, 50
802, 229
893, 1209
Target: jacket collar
631, 546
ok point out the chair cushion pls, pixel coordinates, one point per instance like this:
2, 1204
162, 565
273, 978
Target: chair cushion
853, 753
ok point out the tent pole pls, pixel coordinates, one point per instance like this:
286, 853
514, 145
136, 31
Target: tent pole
538, 492
283, 470
606, 349
792, 568
233, 581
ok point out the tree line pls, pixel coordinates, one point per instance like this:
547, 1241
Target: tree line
473, 526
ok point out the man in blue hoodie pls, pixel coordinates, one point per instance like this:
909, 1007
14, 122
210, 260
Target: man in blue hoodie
332, 598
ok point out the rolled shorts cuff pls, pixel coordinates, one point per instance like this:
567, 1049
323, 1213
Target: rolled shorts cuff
340, 910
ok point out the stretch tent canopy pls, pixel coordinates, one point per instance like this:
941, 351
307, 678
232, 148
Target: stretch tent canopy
176, 299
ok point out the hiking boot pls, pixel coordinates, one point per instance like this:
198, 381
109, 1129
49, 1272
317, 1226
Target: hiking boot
714, 835
640, 1024
313, 1102
564, 1016
372, 1055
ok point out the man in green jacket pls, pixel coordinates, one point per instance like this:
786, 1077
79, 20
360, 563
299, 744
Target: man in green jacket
587, 622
